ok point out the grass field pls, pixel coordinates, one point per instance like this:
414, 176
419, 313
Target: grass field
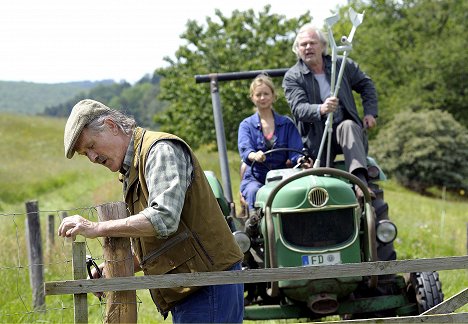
32, 167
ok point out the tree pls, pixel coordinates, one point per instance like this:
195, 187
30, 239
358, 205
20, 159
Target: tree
415, 51
103, 93
424, 149
141, 101
243, 42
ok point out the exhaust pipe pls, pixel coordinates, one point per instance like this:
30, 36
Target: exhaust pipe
323, 303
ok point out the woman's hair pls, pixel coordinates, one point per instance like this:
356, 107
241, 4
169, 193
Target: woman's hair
312, 28
124, 122
260, 80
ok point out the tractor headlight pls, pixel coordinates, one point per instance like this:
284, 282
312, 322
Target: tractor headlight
373, 172
386, 232
243, 240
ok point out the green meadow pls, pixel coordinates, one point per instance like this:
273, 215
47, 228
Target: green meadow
33, 167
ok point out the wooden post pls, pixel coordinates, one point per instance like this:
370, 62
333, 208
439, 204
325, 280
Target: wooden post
34, 247
63, 214
80, 301
120, 305
50, 233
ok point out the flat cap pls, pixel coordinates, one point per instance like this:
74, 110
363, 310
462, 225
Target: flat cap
81, 115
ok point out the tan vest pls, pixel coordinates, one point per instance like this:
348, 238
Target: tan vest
203, 241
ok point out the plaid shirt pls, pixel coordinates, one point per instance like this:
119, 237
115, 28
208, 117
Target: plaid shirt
168, 174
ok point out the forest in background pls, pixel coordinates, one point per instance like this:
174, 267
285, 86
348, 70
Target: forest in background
414, 51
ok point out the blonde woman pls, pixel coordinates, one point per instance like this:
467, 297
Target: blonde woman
263, 131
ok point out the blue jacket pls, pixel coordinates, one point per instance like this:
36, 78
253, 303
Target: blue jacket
251, 139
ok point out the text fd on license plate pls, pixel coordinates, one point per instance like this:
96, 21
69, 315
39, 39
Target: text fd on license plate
321, 259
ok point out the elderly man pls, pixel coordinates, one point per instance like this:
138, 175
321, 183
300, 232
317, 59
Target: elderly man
176, 225
307, 90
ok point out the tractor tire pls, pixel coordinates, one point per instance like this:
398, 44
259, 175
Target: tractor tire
426, 290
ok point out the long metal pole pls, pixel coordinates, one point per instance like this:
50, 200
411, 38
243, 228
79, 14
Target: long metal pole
327, 132
243, 75
356, 20
221, 139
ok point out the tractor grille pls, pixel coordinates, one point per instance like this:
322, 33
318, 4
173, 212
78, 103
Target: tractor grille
318, 229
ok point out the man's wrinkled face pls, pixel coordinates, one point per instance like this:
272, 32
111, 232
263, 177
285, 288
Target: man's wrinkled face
106, 147
310, 47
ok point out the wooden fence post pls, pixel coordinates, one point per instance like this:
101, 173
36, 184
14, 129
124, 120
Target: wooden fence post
120, 305
63, 214
50, 233
80, 301
34, 247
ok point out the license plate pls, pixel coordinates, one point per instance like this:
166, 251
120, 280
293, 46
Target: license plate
321, 259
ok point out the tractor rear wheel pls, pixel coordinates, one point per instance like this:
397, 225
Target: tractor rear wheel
425, 289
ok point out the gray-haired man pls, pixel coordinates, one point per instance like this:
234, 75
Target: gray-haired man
307, 90
175, 225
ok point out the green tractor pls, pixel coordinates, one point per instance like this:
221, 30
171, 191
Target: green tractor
312, 217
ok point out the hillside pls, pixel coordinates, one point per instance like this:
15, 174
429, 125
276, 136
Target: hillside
32, 98
33, 167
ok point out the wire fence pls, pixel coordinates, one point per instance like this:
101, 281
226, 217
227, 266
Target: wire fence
23, 271
19, 297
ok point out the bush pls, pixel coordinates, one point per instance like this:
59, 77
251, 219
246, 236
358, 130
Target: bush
424, 149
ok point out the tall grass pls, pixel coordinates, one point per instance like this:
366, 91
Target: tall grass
32, 167
428, 228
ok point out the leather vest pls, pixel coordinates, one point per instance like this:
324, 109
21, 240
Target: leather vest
203, 241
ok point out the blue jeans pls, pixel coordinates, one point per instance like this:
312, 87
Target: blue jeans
249, 188
212, 304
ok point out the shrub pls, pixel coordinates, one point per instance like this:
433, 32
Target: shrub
424, 149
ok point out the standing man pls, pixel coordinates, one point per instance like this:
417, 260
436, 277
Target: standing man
307, 90
176, 225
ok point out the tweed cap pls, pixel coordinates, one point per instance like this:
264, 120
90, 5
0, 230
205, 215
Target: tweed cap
81, 115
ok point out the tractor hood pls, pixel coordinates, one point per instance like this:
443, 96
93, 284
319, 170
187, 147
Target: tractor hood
305, 193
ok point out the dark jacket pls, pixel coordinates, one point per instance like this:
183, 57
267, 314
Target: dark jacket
303, 95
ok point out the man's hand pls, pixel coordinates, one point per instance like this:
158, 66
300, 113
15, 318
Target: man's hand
76, 225
369, 121
305, 162
330, 105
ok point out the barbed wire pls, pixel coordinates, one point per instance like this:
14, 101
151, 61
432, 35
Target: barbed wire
35, 264
16, 213
57, 262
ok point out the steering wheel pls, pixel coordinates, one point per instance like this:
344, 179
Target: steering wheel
254, 163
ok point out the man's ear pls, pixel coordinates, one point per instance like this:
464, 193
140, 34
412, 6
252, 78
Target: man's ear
112, 126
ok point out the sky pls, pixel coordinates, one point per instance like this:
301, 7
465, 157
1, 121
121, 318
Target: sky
54, 41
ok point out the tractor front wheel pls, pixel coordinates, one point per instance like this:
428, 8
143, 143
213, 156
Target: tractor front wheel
425, 289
